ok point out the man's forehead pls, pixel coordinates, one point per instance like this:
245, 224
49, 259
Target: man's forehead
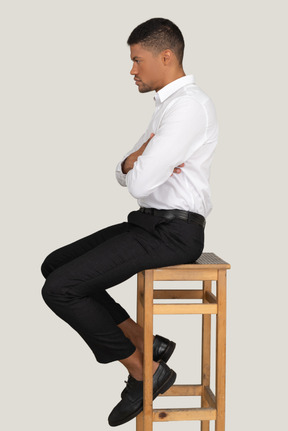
138, 51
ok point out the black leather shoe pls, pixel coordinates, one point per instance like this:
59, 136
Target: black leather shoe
132, 396
162, 348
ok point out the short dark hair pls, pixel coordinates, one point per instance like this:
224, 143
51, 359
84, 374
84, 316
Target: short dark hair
159, 34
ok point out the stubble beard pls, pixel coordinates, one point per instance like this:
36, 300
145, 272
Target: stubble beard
144, 88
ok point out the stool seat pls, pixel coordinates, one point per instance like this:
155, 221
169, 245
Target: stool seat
208, 268
205, 259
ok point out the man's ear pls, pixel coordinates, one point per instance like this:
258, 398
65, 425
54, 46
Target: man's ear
167, 56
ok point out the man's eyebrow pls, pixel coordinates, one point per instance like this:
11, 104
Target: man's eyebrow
134, 58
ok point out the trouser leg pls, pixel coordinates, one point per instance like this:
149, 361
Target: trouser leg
70, 289
75, 249
91, 272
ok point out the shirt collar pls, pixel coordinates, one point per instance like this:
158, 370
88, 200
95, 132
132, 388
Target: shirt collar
173, 86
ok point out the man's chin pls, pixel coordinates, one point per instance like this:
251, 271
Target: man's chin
144, 89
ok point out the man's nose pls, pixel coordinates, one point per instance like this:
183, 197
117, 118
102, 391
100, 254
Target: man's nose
133, 71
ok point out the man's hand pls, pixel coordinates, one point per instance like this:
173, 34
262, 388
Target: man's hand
177, 170
128, 163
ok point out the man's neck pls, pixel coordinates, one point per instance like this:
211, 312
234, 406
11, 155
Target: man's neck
167, 81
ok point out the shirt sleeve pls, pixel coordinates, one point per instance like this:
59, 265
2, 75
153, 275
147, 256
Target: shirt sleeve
120, 176
181, 132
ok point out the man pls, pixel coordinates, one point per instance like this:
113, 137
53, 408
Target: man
167, 171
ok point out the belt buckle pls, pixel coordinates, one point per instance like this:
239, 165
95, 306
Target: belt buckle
170, 216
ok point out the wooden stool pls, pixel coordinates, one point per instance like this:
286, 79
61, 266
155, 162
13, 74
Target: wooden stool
207, 268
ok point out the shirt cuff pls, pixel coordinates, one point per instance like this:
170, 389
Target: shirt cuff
120, 176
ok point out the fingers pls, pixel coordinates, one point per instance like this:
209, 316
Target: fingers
177, 170
143, 146
148, 140
151, 136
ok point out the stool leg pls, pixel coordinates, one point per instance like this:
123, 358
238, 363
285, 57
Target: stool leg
206, 337
140, 321
221, 351
140, 298
148, 351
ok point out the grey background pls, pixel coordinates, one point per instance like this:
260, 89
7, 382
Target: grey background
69, 112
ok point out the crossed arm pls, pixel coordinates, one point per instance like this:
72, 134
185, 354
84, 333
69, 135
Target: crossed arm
181, 133
128, 163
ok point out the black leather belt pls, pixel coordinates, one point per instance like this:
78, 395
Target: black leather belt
176, 213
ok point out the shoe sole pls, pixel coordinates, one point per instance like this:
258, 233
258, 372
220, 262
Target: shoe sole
165, 386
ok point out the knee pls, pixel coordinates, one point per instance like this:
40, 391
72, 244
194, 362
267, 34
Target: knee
47, 265
47, 292
44, 269
51, 289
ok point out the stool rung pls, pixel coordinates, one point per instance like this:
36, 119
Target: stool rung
185, 274
177, 294
184, 308
183, 390
184, 414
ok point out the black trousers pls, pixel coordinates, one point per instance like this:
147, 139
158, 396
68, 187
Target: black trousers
79, 274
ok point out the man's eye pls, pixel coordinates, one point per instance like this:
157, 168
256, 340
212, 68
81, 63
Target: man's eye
137, 61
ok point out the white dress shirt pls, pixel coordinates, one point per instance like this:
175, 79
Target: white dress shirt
186, 130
